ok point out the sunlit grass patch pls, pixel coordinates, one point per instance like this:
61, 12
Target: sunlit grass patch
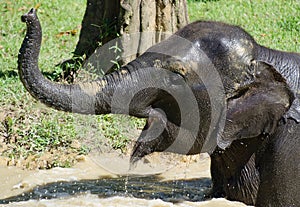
274, 24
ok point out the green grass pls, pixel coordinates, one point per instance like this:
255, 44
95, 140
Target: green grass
30, 129
56, 17
275, 24
27, 128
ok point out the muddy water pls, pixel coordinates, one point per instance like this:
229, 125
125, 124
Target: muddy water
161, 180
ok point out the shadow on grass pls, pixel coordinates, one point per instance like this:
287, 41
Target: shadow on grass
8, 74
204, 1
138, 187
15, 74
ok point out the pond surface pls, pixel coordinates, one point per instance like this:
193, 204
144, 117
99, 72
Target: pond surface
149, 187
97, 182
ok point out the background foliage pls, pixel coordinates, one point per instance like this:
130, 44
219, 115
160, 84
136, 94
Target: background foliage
30, 131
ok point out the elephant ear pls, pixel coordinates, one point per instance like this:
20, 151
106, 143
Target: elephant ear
256, 108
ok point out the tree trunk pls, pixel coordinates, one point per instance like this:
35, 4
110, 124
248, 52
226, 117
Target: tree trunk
99, 24
150, 21
141, 23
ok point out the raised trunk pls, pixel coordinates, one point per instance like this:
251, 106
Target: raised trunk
60, 96
87, 98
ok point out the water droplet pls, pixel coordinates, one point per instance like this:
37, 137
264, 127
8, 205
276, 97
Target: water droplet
126, 184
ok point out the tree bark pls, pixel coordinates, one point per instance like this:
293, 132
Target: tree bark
150, 21
99, 24
141, 23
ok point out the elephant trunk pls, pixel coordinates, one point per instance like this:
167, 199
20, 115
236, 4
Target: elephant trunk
79, 98
94, 97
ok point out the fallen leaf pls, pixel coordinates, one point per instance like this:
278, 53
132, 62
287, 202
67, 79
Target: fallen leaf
23, 8
72, 32
38, 5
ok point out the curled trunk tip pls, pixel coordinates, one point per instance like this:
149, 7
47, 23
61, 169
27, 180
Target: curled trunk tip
29, 17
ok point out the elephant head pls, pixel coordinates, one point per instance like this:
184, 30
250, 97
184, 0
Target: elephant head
256, 109
181, 85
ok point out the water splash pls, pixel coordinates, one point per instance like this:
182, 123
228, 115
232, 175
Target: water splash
149, 187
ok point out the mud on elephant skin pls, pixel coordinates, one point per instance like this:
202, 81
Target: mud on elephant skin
171, 85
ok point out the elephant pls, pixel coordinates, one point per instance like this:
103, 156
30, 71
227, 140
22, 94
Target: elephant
209, 87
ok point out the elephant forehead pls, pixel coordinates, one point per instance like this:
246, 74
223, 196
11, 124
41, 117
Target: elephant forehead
239, 50
236, 66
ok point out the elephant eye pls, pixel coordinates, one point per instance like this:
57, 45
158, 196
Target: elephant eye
177, 79
239, 93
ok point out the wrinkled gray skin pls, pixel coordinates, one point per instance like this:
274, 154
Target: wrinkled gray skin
257, 158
